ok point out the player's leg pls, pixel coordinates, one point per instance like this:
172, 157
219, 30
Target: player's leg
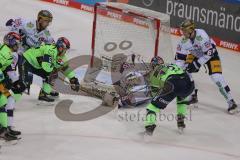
10, 113
22, 71
45, 92
53, 94
47, 88
215, 72
181, 112
4, 134
225, 91
3, 115
183, 87
193, 98
157, 104
13, 76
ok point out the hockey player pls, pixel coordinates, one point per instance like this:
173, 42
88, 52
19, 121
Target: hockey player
202, 49
33, 33
167, 82
8, 88
43, 61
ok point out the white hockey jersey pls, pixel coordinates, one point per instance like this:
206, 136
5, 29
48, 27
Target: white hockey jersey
201, 47
28, 30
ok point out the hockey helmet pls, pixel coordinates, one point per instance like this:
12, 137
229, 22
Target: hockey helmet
45, 14
12, 40
187, 26
62, 45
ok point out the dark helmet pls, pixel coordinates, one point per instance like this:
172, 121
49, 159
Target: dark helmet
45, 14
62, 45
188, 26
12, 40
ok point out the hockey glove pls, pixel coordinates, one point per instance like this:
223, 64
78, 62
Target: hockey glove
193, 67
75, 85
18, 87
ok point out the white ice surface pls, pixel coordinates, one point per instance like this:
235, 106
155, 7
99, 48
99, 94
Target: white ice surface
211, 134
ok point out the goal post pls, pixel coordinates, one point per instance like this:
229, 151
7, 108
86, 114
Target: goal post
120, 28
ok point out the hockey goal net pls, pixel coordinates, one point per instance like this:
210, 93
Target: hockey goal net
124, 29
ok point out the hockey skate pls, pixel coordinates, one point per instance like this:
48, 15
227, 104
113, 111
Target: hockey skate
233, 108
54, 94
45, 99
193, 100
180, 123
149, 130
8, 138
13, 132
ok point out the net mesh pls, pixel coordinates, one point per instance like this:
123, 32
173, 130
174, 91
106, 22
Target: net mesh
123, 30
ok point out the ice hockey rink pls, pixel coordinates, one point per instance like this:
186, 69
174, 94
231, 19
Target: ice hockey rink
211, 133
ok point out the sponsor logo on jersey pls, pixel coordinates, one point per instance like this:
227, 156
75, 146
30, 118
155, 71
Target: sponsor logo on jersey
207, 44
184, 40
30, 25
46, 32
196, 46
41, 39
179, 47
199, 38
163, 101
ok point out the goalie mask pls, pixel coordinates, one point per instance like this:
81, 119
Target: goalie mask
155, 61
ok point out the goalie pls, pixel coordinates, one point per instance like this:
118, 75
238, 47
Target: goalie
132, 87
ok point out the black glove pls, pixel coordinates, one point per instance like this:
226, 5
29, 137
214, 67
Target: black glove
18, 87
193, 67
75, 85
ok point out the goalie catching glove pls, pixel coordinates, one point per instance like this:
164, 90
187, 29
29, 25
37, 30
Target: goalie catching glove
75, 85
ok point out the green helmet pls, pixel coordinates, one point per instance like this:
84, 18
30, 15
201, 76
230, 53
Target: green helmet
45, 14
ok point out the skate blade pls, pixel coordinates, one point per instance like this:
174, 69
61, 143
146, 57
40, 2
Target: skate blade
147, 137
44, 103
5, 143
234, 111
180, 130
193, 106
54, 97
